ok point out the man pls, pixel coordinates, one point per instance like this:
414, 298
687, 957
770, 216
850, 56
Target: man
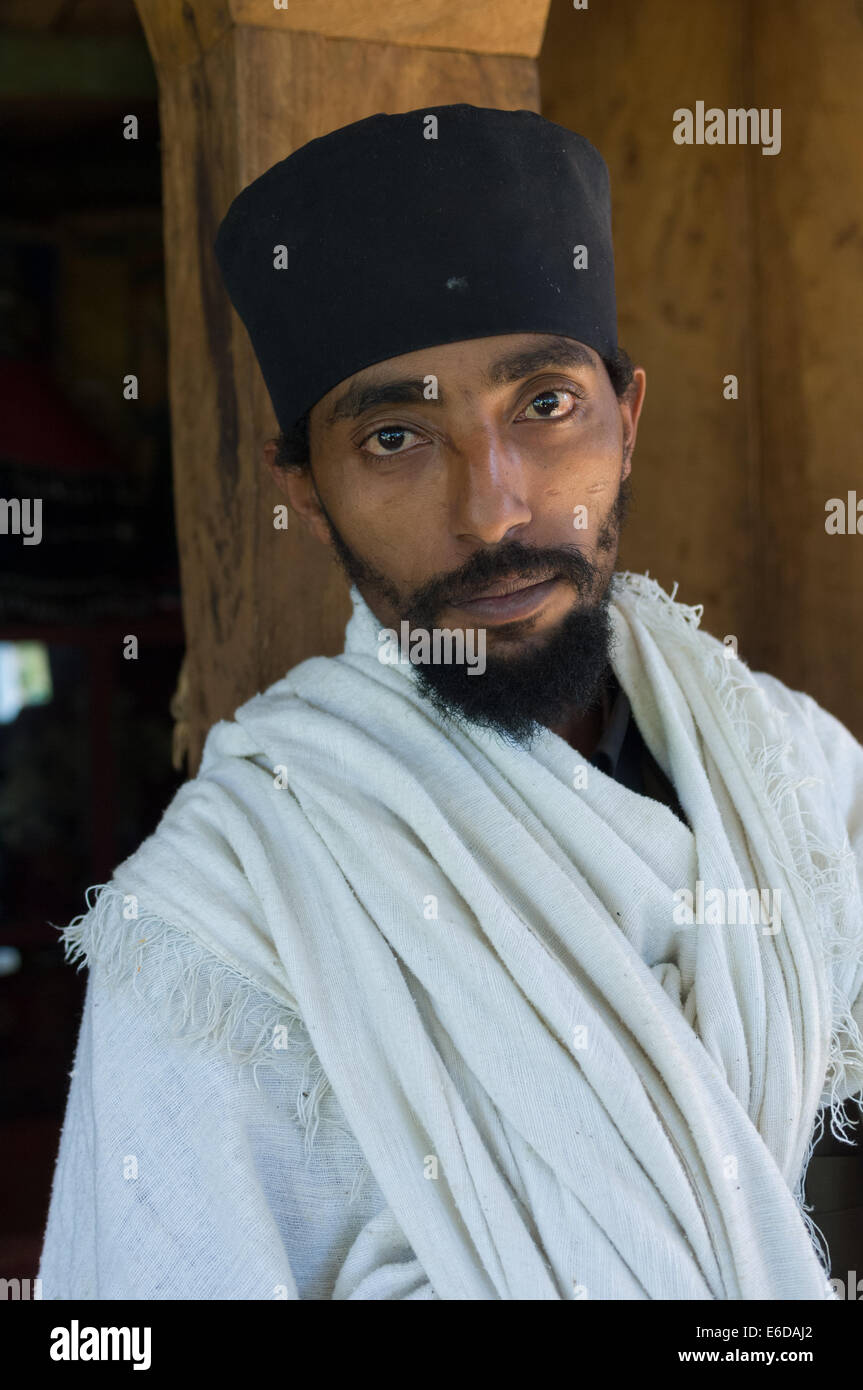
516, 952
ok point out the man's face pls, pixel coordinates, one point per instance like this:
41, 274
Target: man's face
444, 476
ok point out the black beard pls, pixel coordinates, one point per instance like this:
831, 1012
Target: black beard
518, 696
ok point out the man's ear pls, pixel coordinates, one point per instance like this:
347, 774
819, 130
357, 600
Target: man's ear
630, 410
298, 485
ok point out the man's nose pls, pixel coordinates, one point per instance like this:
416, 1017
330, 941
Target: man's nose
489, 489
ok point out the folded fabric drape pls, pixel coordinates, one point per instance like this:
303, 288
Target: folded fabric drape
562, 1086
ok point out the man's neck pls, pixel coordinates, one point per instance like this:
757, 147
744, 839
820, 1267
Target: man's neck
582, 732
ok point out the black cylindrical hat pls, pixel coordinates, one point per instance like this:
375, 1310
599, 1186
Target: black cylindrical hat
405, 231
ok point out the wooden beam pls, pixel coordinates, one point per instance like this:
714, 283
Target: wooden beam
513, 27
179, 34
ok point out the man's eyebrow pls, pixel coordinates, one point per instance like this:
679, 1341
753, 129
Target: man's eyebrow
557, 352
403, 390
358, 398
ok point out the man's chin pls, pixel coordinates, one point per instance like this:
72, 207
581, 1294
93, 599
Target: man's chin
518, 695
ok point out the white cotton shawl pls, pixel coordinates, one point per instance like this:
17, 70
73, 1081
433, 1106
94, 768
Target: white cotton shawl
484, 954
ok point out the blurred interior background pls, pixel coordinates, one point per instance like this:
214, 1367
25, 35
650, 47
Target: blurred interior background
85, 734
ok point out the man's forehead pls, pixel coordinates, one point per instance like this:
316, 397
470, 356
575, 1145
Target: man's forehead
501, 359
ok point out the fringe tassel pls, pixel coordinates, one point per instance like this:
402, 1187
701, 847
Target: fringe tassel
203, 998
641, 586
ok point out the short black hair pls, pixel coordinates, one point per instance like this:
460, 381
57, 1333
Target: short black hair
292, 447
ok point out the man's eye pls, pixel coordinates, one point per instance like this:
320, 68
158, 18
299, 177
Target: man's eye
546, 402
390, 439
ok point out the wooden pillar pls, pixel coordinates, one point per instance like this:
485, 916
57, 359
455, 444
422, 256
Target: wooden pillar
242, 84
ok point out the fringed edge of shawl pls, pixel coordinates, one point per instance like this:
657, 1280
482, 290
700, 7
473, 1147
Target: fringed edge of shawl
663, 604
826, 874
205, 999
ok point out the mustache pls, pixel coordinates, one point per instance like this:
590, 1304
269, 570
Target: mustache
512, 560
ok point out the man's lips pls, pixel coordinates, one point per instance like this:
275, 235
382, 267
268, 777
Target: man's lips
501, 587
508, 599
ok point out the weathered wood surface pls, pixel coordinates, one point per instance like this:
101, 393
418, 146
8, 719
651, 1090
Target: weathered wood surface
731, 261
808, 342
513, 28
682, 239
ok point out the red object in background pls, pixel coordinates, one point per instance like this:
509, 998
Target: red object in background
40, 427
